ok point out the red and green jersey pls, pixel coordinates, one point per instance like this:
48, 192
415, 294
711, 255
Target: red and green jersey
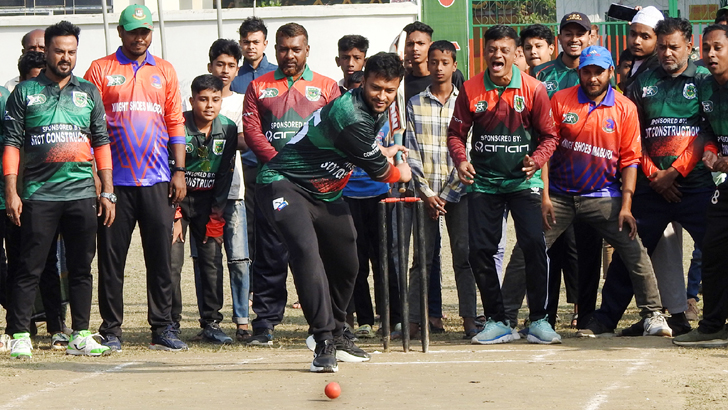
276, 107
321, 156
56, 128
713, 99
597, 142
144, 115
4, 94
669, 113
507, 124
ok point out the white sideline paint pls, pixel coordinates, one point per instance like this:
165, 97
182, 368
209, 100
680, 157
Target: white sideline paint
17, 402
601, 397
502, 361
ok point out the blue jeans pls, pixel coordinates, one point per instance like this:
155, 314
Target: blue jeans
695, 274
235, 237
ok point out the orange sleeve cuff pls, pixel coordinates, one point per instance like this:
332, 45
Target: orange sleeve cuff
712, 147
102, 155
11, 160
394, 175
177, 213
214, 226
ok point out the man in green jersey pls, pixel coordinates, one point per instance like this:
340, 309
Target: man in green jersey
673, 185
299, 193
57, 119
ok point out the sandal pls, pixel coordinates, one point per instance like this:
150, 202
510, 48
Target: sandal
574, 321
471, 334
436, 330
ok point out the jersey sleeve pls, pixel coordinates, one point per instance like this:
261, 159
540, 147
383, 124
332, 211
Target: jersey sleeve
95, 77
173, 109
630, 145
253, 129
359, 144
632, 92
99, 134
543, 122
223, 179
457, 131
14, 121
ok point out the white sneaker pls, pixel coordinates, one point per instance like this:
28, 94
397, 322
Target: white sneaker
21, 346
656, 325
311, 343
82, 343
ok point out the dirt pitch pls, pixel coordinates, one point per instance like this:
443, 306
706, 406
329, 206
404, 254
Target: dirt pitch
613, 373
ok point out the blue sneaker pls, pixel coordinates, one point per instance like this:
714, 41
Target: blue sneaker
213, 334
167, 340
541, 332
493, 332
112, 342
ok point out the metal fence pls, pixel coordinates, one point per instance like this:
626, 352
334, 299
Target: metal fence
51, 7
612, 35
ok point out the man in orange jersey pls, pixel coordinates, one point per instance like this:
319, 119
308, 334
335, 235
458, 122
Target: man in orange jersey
144, 117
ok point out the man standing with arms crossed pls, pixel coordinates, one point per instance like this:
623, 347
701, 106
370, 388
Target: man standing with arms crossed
672, 184
276, 107
143, 112
57, 119
513, 137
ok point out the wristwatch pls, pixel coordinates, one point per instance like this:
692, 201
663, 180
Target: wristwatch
110, 196
179, 169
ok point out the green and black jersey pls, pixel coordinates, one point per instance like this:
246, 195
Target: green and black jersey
713, 99
321, 156
669, 113
4, 94
209, 158
555, 75
56, 128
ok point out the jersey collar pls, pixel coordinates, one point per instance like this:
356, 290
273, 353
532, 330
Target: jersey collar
307, 75
607, 101
190, 124
123, 60
515, 80
689, 72
45, 81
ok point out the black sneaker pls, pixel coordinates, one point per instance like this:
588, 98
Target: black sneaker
679, 324
243, 335
324, 358
595, 329
112, 342
349, 334
213, 334
637, 329
347, 351
261, 337
167, 340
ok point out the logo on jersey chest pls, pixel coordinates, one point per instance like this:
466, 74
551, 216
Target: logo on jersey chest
313, 93
689, 91
268, 93
36, 99
608, 125
650, 91
156, 81
116, 79
218, 147
570, 118
519, 104
480, 106
707, 106
80, 99
551, 85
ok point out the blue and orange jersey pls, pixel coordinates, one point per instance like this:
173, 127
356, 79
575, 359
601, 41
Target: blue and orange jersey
507, 124
597, 142
276, 107
143, 114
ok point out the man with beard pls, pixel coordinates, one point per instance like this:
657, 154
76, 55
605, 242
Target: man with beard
673, 185
300, 189
713, 97
144, 116
593, 172
276, 106
513, 137
57, 119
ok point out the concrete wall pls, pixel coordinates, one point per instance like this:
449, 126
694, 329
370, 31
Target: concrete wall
189, 33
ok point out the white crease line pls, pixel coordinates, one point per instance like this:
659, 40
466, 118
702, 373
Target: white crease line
503, 361
19, 400
542, 357
600, 398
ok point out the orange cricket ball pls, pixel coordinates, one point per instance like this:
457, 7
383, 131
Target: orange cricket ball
332, 390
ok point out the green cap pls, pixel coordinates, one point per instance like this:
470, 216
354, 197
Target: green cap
136, 16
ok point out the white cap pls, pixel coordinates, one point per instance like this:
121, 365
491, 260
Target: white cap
649, 16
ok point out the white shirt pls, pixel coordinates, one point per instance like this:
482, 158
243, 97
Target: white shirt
10, 85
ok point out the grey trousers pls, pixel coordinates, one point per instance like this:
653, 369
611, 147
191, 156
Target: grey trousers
456, 220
